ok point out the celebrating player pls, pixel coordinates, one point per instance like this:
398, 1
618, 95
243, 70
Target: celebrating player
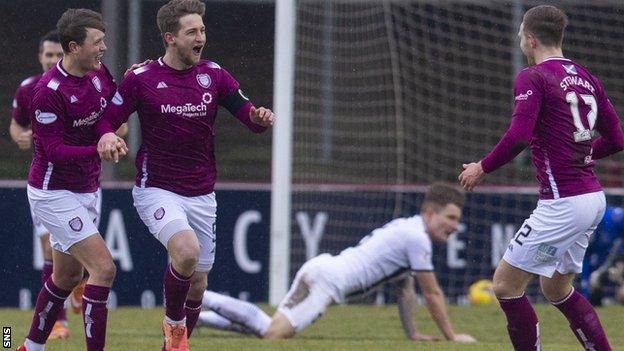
404, 244
558, 107
63, 179
176, 98
50, 52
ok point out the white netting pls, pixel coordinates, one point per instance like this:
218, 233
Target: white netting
393, 93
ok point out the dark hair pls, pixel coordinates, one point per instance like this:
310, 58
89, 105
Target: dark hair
73, 24
440, 194
168, 17
546, 23
52, 36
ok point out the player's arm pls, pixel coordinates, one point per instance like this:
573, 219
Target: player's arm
528, 99
257, 119
19, 128
611, 138
406, 302
108, 128
48, 126
434, 298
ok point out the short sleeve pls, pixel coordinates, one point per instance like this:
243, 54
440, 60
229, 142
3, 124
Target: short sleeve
419, 252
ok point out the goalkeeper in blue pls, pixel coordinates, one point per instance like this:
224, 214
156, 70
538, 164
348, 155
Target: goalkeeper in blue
402, 246
604, 261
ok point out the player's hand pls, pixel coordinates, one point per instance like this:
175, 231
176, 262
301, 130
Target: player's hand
137, 65
463, 338
423, 337
111, 147
24, 140
262, 116
471, 176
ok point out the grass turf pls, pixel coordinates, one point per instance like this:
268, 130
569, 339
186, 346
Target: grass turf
351, 327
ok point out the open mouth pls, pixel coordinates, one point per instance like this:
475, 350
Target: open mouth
98, 58
197, 49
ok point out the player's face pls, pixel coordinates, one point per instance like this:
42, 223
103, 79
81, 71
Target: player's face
442, 223
90, 53
190, 39
50, 53
525, 45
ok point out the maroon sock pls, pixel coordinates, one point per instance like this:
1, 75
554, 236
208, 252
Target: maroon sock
49, 303
522, 323
584, 321
192, 309
176, 288
94, 315
46, 273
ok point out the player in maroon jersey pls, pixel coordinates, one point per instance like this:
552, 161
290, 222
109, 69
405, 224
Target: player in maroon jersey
558, 107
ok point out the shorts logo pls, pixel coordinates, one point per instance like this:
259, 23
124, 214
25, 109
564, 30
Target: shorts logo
545, 253
76, 224
97, 84
159, 213
204, 80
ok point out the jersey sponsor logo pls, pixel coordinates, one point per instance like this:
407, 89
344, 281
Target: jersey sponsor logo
97, 84
117, 99
186, 110
93, 117
75, 224
45, 117
240, 92
159, 213
207, 98
570, 69
204, 80
525, 96
161, 85
73, 99
545, 253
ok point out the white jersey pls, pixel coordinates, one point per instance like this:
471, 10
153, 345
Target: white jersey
402, 244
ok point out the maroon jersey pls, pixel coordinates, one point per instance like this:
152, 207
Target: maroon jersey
559, 107
22, 99
63, 112
177, 110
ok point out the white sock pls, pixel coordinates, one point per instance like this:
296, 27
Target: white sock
213, 320
238, 311
33, 346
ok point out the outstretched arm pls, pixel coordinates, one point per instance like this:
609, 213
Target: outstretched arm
434, 297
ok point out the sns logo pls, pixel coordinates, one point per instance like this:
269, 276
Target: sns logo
525, 96
45, 117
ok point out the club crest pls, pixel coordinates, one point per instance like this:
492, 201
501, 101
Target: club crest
75, 224
97, 84
204, 80
159, 213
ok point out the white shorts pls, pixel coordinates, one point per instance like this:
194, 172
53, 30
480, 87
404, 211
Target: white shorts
166, 213
310, 293
40, 230
70, 217
556, 235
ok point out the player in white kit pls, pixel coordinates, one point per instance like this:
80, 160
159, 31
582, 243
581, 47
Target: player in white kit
402, 245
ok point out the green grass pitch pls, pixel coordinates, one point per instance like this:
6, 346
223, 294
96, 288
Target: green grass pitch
351, 327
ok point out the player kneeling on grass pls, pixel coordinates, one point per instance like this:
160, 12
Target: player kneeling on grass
404, 244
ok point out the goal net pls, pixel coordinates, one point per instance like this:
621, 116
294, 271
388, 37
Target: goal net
393, 95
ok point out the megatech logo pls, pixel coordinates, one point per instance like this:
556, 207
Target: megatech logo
189, 109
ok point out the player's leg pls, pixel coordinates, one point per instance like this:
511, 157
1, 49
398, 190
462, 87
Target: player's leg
583, 319
193, 304
305, 302
51, 299
214, 320
60, 330
164, 214
522, 324
201, 213
244, 313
